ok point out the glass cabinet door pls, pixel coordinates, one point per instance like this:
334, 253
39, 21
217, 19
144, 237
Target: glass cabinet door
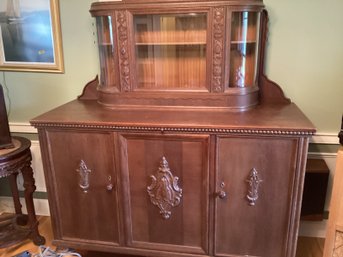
171, 51
244, 49
106, 50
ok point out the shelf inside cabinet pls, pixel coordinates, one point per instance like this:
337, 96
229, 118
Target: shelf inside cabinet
175, 37
169, 43
105, 44
243, 42
171, 67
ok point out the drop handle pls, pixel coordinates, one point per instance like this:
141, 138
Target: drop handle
109, 185
221, 194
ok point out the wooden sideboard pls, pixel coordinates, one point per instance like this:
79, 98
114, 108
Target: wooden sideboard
231, 184
183, 147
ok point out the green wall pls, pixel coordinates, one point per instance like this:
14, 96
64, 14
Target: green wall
304, 56
34, 93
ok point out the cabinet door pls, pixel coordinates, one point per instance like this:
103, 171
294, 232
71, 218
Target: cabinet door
82, 183
258, 176
166, 178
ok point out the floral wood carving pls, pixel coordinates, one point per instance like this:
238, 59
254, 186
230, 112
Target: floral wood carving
122, 26
254, 184
164, 191
218, 56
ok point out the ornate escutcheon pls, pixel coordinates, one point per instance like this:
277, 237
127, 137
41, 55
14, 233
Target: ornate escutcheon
84, 176
254, 183
164, 191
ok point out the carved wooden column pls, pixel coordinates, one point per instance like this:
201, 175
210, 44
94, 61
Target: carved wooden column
30, 188
218, 50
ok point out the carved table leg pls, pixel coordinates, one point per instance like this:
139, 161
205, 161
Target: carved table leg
22, 219
29, 185
15, 193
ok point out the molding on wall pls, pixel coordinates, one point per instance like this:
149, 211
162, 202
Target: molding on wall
325, 138
22, 127
41, 206
318, 155
313, 228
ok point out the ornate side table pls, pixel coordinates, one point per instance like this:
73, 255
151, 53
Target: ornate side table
12, 162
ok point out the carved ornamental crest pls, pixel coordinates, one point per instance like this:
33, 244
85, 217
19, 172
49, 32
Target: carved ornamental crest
164, 191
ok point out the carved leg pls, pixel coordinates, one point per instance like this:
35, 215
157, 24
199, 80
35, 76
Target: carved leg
22, 220
29, 185
15, 193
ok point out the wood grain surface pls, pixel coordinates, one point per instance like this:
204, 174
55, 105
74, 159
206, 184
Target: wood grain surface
307, 246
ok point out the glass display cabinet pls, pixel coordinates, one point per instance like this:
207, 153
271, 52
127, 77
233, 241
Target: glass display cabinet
183, 147
170, 51
205, 53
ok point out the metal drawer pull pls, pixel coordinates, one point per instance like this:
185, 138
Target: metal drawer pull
84, 176
221, 194
254, 183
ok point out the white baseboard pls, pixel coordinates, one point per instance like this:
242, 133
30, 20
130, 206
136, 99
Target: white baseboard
313, 228
22, 127
41, 206
37, 166
325, 138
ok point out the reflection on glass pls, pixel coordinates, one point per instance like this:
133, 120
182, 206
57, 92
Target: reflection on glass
171, 51
244, 49
106, 50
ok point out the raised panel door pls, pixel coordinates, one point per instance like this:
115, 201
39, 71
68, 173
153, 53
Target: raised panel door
258, 177
83, 193
167, 183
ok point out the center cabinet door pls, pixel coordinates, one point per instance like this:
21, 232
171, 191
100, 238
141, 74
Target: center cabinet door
166, 181
256, 184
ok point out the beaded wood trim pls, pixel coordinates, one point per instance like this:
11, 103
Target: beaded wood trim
178, 129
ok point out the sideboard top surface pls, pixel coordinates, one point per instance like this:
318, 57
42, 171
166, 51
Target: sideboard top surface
89, 114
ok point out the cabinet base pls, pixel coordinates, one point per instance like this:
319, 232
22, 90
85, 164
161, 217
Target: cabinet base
86, 246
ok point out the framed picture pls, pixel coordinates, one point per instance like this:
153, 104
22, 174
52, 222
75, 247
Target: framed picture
30, 36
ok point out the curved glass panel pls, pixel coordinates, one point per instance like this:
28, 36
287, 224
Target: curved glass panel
244, 49
106, 51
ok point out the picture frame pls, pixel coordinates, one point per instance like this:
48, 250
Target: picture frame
30, 36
